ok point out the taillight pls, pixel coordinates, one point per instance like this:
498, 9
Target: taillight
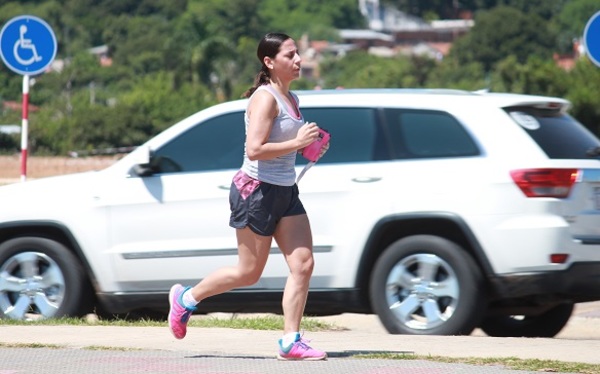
545, 182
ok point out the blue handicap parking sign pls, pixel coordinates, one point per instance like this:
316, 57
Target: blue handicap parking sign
591, 38
27, 45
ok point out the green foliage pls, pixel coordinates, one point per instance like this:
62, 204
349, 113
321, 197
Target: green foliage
297, 17
83, 124
536, 77
435, 9
362, 70
571, 21
10, 84
584, 93
451, 74
502, 32
171, 58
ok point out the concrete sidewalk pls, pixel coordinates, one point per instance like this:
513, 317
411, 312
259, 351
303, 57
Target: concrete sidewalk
221, 342
153, 350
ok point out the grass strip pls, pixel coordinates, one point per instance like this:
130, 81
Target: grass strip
234, 321
512, 363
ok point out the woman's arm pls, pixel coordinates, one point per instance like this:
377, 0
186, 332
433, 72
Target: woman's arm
261, 111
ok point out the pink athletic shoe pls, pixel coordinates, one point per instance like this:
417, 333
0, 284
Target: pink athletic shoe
178, 314
300, 351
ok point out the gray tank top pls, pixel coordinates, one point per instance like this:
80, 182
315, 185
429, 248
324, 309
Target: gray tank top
280, 170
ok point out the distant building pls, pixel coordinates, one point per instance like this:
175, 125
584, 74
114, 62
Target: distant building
404, 33
364, 39
102, 52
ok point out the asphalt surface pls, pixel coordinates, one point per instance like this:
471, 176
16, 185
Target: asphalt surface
113, 349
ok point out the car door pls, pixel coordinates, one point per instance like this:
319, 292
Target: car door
172, 226
343, 194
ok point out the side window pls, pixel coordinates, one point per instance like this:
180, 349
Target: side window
355, 136
217, 143
428, 134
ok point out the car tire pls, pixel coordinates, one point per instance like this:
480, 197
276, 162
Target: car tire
545, 325
427, 285
40, 278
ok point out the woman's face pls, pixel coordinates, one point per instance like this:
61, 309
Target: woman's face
286, 63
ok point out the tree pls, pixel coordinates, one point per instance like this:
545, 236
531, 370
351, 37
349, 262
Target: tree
536, 77
297, 17
362, 70
451, 74
229, 19
452, 8
584, 93
173, 57
502, 32
543, 8
571, 21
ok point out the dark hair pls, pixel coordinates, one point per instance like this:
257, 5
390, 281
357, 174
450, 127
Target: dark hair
267, 47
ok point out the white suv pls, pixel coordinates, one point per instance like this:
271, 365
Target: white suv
440, 211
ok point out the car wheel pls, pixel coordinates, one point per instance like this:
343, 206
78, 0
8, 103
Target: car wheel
39, 278
545, 325
427, 285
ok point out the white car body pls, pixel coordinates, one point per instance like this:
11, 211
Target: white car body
138, 234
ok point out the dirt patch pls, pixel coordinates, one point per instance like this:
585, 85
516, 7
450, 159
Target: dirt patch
40, 167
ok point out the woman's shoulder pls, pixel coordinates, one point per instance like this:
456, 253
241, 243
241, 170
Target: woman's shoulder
263, 94
263, 98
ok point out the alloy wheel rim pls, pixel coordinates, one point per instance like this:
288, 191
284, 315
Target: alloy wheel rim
31, 285
422, 291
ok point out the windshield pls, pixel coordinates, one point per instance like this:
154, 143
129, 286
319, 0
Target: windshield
559, 135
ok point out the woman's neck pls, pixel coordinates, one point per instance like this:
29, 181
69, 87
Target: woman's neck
280, 86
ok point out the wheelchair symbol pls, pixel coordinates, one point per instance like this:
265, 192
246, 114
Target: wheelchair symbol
23, 44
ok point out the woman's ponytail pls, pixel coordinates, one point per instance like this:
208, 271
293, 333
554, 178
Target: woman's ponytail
262, 78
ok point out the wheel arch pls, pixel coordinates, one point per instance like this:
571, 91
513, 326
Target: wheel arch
395, 227
49, 230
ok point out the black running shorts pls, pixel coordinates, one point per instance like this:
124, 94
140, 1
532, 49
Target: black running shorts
259, 205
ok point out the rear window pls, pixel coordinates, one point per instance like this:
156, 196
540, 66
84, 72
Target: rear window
559, 135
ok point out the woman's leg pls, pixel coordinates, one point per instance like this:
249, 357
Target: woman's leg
294, 238
253, 252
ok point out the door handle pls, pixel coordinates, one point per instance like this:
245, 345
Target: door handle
366, 179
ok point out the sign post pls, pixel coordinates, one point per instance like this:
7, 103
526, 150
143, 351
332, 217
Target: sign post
591, 38
27, 47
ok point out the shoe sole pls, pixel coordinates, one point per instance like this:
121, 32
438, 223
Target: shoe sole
281, 358
171, 294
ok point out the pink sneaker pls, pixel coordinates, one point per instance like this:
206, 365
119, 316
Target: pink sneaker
300, 351
178, 314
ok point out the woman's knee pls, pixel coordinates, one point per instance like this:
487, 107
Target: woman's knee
303, 268
248, 277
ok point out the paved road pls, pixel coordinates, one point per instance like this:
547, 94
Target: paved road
83, 349
49, 361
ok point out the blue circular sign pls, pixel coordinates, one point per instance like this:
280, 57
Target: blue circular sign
591, 38
27, 45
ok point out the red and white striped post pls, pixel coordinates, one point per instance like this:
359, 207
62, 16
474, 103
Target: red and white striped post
24, 127
27, 55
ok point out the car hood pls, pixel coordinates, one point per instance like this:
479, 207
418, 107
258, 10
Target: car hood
34, 198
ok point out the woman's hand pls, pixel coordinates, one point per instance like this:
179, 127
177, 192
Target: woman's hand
307, 134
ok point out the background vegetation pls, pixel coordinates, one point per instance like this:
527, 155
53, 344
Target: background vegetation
174, 57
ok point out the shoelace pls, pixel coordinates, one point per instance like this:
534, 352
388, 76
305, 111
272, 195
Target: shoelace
304, 343
186, 315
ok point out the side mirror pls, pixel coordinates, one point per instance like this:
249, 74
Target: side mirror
144, 166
